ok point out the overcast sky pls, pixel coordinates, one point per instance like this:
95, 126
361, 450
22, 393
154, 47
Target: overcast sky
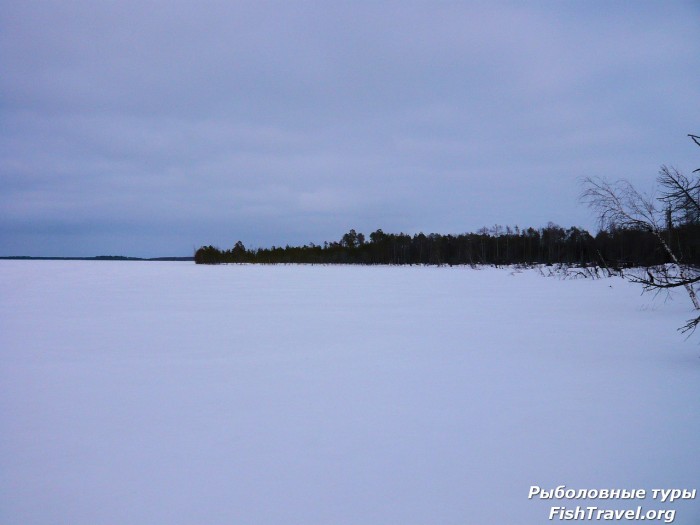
151, 128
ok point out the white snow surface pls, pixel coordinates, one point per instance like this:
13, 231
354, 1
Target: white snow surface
171, 393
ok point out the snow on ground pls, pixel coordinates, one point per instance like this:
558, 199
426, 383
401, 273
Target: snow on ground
170, 393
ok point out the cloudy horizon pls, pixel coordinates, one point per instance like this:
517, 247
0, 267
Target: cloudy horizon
151, 128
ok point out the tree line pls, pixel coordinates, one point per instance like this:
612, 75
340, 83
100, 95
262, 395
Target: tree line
613, 247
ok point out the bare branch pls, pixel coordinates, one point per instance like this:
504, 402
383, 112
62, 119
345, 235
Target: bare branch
619, 204
659, 281
690, 326
681, 195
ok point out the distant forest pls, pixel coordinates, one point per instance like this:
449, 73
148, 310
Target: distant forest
616, 248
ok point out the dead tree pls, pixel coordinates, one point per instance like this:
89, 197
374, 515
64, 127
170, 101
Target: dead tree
620, 205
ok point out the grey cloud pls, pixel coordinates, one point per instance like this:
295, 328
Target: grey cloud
173, 124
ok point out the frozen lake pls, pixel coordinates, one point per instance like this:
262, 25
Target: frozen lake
169, 393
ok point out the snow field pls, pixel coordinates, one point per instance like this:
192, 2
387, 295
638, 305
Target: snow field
147, 392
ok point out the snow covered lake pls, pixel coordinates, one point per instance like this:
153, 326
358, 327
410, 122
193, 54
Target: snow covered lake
169, 393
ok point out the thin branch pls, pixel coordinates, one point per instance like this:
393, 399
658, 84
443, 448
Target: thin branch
657, 283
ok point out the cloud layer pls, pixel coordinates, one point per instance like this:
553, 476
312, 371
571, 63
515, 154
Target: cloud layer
150, 128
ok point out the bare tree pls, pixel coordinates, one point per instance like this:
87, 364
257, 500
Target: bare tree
681, 195
620, 205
